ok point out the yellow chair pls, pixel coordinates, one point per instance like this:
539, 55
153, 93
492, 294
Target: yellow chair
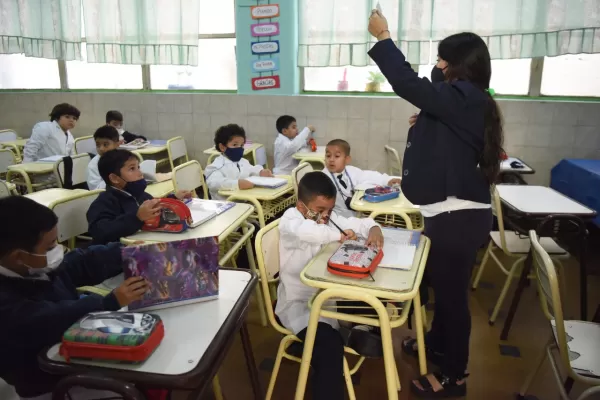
7, 158
298, 173
190, 176
8, 135
177, 151
5, 189
85, 144
394, 163
267, 254
259, 156
392, 219
576, 341
513, 246
79, 173
71, 212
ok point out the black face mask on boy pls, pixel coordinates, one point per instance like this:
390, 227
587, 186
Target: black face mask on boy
437, 74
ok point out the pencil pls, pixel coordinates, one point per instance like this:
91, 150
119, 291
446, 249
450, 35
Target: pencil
334, 224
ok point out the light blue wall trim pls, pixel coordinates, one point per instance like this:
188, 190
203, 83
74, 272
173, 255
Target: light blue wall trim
288, 72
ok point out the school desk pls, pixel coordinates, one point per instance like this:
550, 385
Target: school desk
267, 202
49, 196
400, 203
388, 284
528, 207
197, 338
160, 189
28, 172
249, 153
156, 152
312, 157
16, 146
509, 174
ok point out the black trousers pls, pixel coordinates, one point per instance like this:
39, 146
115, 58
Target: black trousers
327, 363
455, 239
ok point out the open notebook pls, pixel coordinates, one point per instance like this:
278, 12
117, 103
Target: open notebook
399, 248
135, 144
267, 182
203, 210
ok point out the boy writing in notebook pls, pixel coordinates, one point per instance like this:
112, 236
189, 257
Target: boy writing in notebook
288, 142
106, 138
123, 208
347, 177
303, 231
230, 170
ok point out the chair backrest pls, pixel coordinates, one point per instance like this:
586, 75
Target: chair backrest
260, 156
4, 190
79, 173
71, 213
189, 176
7, 158
85, 144
394, 162
177, 151
497, 209
298, 173
392, 219
8, 135
267, 257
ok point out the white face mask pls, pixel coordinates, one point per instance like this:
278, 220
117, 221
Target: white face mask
120, 130
54, 258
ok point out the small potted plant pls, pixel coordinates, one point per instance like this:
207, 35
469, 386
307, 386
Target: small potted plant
375, 81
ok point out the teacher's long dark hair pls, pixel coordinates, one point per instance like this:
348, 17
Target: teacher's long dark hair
469, 59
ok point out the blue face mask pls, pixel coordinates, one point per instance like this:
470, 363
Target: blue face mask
136, 188
235, 154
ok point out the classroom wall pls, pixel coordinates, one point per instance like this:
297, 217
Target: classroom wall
541, 133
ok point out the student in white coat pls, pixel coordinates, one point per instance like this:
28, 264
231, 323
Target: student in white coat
303, 231
230, 170
288, 142
346, 177
53, 138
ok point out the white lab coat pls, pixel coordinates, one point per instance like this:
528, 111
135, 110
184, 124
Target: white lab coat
223, 174
285, 149
47, 140
300, 239
353, 177
94, 180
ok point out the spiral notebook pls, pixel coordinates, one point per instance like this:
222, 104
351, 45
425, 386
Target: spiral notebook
399, 248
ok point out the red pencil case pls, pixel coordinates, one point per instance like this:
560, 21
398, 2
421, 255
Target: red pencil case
117, 336
355, 260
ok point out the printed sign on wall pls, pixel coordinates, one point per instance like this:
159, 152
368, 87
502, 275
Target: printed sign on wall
265, 82
265, 11
266, 29
265, 65
269, 47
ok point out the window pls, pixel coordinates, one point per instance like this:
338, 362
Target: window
83, 75
571, 75
20, 72
217, 17
511, 76
330, 79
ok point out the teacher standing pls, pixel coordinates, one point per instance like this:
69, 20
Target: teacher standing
458, 129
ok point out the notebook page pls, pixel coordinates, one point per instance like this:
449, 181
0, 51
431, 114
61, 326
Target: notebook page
398, 250
266, 181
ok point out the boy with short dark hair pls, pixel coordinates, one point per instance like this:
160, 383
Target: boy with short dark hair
230, 170
303, 231
115, 119
123, 208
106, 138
288, 142
38, 290
347, 177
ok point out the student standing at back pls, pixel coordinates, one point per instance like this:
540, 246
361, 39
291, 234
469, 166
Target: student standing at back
53, 138
288, 142
452, 158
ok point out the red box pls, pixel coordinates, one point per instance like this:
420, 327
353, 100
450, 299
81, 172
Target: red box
265, 82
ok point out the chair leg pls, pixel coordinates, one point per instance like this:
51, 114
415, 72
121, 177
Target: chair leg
216, 385
511, 274
276, 366
486, 256
348, 379
533, 374
398, 384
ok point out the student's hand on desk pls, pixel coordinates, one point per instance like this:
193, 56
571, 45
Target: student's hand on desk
183, 194
375, 237
394, 181
245, 185
149, 209
413, 119
349, 234
266, 172
132, 289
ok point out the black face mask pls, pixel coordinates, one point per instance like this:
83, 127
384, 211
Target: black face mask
437, 74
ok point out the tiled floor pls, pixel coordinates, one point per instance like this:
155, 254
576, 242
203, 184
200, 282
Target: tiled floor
497, 368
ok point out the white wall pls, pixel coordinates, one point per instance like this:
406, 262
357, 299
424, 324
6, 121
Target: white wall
541, 133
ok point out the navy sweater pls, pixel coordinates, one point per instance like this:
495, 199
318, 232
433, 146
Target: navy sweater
35, 313
113, 215
444, 147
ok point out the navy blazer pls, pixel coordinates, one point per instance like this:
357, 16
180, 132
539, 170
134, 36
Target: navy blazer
445, 145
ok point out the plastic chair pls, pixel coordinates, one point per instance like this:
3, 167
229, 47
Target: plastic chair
177, 151
394, 162
7, 158
576, 341
259, 155
298, 173
8, 135
4, 190
267, 254
514, 246
79, 174
85, 144
189, 176
71, 213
